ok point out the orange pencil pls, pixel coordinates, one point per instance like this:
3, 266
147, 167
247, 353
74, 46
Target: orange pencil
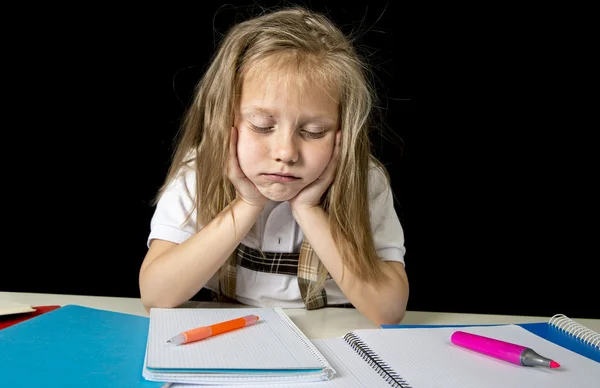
203, 332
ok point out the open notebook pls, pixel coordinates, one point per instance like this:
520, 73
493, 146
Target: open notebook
272, 350
425, 358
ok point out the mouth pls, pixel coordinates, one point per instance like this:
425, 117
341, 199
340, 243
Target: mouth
281, 177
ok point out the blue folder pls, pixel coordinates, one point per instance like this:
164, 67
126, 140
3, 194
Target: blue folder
75, 346
542, 329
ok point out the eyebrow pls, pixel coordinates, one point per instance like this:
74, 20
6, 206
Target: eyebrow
254, 109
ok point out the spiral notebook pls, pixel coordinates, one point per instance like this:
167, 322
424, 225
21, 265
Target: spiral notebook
425, 358
272, 350
559, 329
354, 365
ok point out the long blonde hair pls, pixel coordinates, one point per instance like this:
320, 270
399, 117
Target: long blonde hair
205, 130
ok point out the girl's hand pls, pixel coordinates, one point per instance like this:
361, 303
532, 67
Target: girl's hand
310, 196
245, 189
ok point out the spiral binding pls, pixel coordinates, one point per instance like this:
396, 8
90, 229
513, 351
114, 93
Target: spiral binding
329, 372
385, 371
577, 330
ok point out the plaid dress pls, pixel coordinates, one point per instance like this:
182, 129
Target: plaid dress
305, 264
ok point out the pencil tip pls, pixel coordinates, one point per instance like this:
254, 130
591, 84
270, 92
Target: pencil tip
554, 364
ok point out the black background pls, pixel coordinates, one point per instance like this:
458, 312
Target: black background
495, 172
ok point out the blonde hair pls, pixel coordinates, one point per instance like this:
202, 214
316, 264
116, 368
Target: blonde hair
319, 50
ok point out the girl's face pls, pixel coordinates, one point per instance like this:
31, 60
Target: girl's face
286, 133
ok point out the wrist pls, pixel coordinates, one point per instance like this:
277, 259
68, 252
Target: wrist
304, 212
252, 206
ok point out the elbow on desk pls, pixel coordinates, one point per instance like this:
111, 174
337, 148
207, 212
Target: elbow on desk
389, 317
157, 304
152, 297
386, 313
150, 303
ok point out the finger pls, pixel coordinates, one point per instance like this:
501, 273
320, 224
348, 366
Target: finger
232, 161
338, 145
233, 144
329, 172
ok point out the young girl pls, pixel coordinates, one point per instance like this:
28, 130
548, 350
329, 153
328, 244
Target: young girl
273, 197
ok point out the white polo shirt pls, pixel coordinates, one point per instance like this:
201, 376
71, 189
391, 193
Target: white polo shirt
280, 233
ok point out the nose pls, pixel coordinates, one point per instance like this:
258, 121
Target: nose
284, 147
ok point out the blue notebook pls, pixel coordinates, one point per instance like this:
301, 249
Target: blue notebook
75, 346
560, 330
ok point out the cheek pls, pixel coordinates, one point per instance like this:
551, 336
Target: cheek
320, 157
248, 149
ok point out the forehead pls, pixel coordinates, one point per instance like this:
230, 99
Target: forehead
291, 80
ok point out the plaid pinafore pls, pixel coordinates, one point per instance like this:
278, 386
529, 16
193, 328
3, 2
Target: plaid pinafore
305, 265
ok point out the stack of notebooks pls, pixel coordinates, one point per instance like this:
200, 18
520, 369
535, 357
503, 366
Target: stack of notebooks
79, 346
272, 350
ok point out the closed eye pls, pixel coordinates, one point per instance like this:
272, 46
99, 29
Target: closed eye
304, 133
312, 135
260, 129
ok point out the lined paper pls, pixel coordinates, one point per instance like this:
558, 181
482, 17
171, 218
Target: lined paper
352, 371
268, 344
426, 358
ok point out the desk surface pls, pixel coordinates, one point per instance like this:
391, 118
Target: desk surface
321, 323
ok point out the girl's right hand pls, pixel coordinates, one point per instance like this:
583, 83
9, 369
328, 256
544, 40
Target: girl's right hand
245, 189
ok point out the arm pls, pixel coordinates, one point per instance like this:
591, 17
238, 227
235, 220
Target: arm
172, 273
382, 303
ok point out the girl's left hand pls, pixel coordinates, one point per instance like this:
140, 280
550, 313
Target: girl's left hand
310, 196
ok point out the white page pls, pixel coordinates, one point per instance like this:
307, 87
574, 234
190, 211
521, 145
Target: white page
352, 371
274, 342
426, 358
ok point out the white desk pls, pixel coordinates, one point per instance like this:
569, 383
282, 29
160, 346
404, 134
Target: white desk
321, 323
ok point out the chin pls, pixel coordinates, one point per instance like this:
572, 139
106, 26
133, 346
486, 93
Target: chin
279, 197
278, 194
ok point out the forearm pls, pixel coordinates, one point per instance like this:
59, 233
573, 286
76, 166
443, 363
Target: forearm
381, 302
179, 273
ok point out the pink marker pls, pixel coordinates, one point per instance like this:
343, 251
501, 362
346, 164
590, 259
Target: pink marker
506, 351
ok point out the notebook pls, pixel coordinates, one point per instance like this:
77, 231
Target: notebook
13, 319
425, 358
559, 329
75, 346
352, 370
272, 350
8, 307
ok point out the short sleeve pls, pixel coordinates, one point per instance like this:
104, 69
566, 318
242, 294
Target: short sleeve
174, 218
385, 224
